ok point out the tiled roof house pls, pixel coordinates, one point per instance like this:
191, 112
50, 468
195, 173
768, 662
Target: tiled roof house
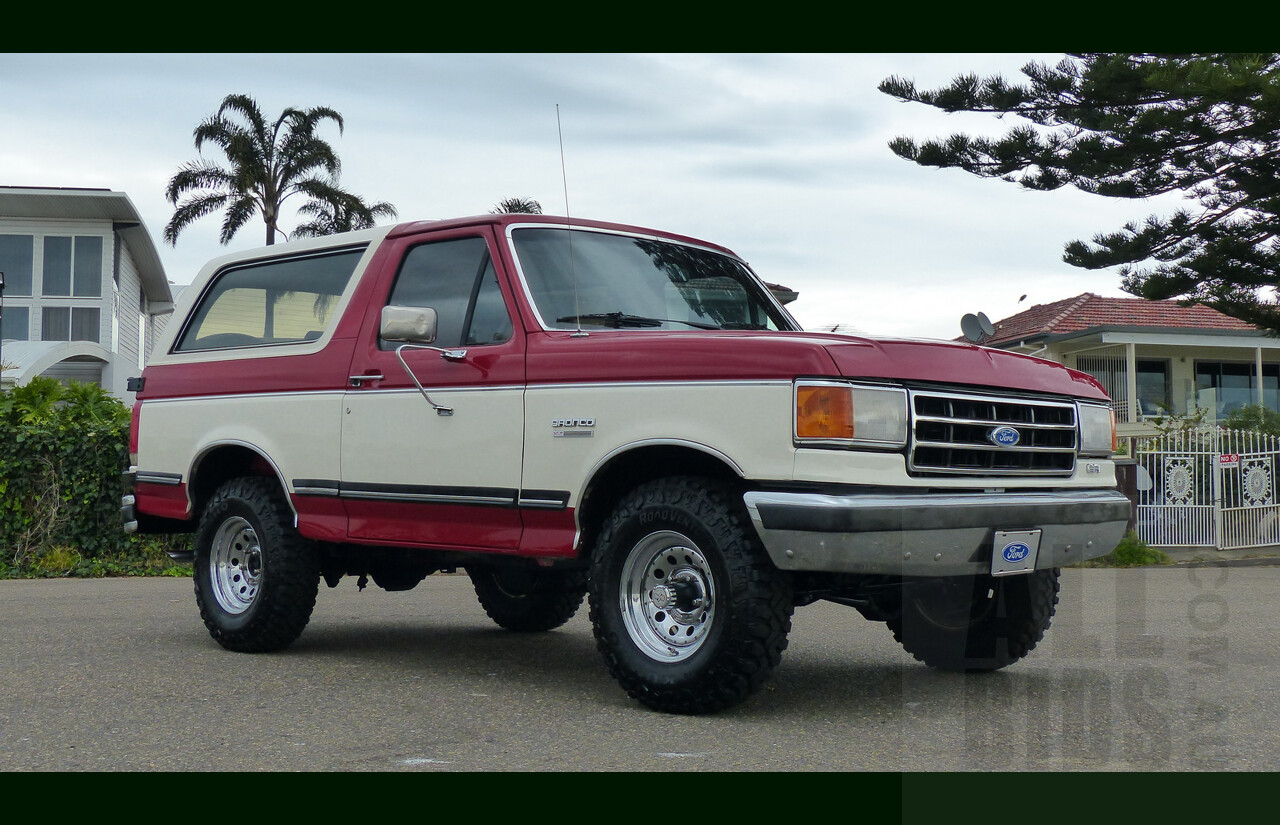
1154, 357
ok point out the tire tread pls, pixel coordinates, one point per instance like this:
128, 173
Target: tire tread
291, 578
760, 595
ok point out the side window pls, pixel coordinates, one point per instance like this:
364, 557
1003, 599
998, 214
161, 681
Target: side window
275, 302
456, 278
490, 323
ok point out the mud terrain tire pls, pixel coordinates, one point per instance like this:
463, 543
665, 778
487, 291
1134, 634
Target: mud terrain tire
528, 599
256, 578
687, 610
975, 623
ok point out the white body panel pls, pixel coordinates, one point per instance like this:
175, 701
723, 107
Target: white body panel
297, 433
746, 424
396, 437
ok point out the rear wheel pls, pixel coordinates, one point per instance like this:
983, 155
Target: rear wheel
528, 599
256, 578
688, 611
975, 623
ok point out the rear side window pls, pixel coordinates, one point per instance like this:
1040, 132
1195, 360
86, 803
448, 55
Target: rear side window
283, 301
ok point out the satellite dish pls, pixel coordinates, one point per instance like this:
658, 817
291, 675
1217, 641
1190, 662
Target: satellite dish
976, 327
971, 327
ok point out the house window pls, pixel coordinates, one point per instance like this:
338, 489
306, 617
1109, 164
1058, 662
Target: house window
1154, 387
1223, 387
69, 324
15, 325
72, 266
15, 263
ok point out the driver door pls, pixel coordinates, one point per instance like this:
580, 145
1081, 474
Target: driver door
435, 462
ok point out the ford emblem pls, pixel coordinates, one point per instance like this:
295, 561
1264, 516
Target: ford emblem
1016, 552
1004, 437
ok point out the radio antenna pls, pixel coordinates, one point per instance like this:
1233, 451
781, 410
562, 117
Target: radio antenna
573, 275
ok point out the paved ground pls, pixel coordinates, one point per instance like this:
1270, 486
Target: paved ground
1157, 669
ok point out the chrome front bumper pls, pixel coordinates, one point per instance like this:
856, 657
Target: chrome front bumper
940, 534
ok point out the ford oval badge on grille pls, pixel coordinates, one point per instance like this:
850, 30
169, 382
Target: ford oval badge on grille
1004, 437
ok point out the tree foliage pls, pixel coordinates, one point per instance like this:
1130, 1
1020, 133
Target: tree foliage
518, 205
343, 214
266, 164
1136, 126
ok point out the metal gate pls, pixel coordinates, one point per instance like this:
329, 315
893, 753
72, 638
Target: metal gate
1208, 487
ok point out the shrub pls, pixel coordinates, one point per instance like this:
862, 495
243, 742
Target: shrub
1130, 552
1254, 417
63, 451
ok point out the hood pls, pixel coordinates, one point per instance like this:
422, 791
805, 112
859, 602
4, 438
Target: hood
950, 362
633, 355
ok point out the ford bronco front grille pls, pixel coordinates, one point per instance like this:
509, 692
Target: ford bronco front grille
955, 434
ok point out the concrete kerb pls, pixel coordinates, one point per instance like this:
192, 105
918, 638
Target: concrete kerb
1209, 557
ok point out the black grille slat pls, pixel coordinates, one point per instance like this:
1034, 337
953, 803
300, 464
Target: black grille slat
951, 436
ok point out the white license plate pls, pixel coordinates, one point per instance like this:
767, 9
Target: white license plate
1014, 551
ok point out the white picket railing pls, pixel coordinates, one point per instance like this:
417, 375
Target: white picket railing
1208, 487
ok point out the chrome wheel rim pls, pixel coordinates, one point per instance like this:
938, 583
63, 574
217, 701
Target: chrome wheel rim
235, 562
667, 597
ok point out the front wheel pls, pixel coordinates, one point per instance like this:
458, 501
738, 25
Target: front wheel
688, 611
256, 578
528, 599
975, 623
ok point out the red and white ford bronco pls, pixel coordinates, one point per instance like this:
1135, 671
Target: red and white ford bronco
564, 408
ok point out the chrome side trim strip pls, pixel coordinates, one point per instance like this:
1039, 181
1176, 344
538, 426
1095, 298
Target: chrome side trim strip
167, 479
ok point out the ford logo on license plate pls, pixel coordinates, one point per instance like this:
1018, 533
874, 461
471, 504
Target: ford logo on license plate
1016, 552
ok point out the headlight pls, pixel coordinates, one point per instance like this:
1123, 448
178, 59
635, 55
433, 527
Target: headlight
837, 413
1097, 429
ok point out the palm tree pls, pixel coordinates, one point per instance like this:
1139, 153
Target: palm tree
266, 165
521, 206
344, 214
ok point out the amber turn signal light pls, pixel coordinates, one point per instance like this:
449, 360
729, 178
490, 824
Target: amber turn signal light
824, 412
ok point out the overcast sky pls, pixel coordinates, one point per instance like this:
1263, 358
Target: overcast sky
781, 157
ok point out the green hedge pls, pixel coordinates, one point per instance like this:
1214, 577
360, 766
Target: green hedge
63, 450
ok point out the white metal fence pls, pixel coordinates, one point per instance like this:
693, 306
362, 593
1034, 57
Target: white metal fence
1208, 488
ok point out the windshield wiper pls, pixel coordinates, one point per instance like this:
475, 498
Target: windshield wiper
618, 320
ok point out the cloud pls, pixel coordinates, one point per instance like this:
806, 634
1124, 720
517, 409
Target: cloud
782, 158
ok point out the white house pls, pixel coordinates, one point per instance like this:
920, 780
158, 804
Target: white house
84, 291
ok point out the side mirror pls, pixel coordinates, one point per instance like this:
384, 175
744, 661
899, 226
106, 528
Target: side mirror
413, 325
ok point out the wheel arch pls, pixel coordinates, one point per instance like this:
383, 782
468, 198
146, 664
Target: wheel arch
222, 461
630, 466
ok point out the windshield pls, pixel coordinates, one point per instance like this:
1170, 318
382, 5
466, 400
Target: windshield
579, 278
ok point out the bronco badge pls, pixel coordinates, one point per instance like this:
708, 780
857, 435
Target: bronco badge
572, 427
